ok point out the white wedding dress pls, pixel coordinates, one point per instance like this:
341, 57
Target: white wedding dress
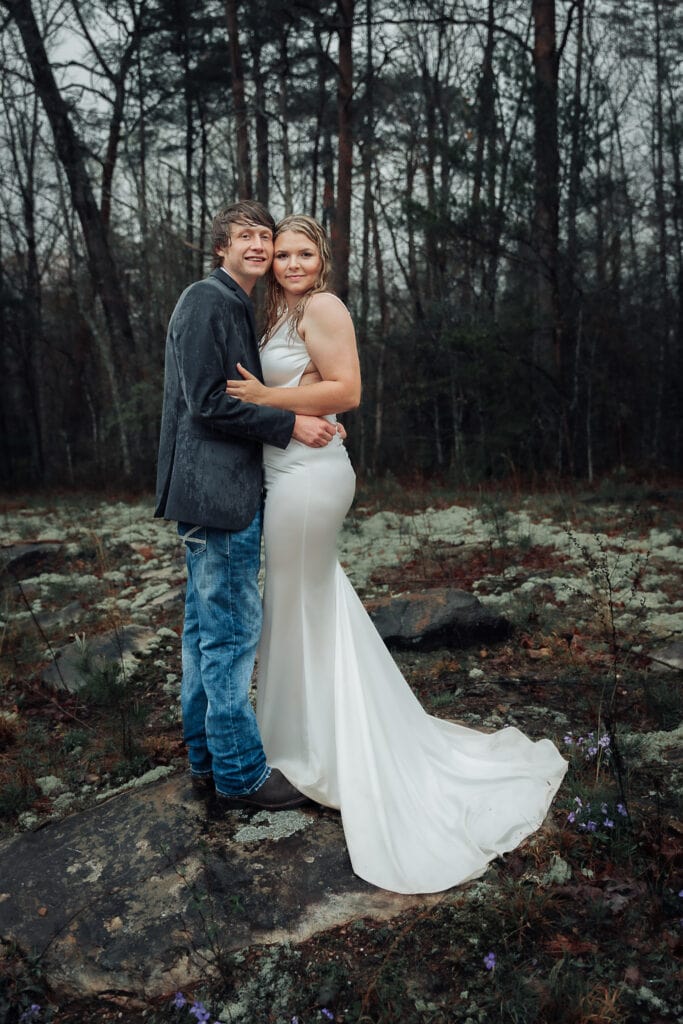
425, 804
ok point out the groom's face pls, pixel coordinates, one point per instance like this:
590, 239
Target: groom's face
249, 254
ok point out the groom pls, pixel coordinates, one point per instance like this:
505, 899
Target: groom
209, 479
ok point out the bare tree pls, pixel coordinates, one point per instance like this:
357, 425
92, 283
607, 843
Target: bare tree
116, 70
71, 152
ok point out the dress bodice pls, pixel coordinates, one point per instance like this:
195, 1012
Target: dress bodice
283, 361
284, 358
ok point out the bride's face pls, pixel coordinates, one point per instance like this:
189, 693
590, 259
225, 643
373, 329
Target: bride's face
296, 264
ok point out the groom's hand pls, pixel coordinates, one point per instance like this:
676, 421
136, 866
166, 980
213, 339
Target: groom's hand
313, 431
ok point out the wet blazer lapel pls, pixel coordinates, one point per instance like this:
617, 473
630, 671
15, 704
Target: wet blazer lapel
230, 283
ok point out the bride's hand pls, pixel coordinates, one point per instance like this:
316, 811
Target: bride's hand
248, 390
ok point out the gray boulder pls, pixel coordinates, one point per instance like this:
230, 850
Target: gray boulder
669, 657
441, 617
61, 619
19, 559
122, 646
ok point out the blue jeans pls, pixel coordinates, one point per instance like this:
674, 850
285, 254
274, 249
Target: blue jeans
223, 617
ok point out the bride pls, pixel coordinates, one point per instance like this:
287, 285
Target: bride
425, 804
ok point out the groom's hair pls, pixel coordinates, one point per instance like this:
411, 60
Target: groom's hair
247, 211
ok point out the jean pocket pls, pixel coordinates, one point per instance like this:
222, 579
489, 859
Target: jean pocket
193, 537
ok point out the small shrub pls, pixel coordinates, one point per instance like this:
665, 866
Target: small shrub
112, 688
9, 731
664, 701
16, 795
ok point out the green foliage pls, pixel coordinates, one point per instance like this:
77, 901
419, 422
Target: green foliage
505, 530
16, 796
21, 986
664, 700
74, 740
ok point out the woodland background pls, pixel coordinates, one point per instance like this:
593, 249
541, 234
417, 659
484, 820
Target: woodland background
501, 180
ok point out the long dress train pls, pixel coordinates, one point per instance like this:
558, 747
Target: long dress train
425, 804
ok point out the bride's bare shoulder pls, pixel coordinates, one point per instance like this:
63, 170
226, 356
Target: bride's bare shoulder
324, 305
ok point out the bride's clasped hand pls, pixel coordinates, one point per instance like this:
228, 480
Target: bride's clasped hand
250, 389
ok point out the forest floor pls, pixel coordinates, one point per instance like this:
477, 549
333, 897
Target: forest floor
580, 925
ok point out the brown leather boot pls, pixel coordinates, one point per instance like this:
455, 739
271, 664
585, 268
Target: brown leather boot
276, 794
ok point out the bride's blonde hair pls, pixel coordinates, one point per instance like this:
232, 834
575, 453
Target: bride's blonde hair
276, 306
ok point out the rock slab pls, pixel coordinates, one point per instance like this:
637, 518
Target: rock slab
441, 617
144, 894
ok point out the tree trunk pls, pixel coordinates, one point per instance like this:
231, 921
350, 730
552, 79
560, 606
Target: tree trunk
188, 102
143, 207
546, 192
6, 465
383, 330
322, 63
576, 160
479, 243
413, 277
284, 125
261, 122
244, 185
428, 170
204, 214
677, 219
547, 356
341, 223
90, 314
327, 167
662, 248
499, 214
23, 133
115, 124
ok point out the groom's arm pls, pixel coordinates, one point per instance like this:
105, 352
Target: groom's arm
205, 333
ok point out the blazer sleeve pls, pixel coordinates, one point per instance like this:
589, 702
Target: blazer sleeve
208, 340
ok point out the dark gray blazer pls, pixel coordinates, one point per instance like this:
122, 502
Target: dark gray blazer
209, 470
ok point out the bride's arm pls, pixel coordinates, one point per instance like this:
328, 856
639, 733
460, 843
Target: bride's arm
328, 331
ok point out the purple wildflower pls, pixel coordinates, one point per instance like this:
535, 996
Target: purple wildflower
591, 826
199, 1011
608, 823
179, 1000
31, 1014
327, 1013
571, 817
569, 739
622, 810
603, 741
490, 961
